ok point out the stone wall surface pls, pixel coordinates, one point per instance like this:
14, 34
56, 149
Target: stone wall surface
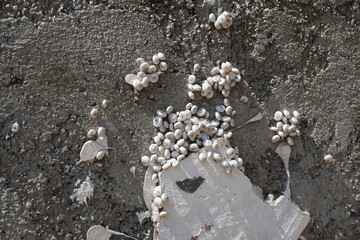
59, 59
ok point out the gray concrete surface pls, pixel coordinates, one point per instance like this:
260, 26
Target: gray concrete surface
58, 59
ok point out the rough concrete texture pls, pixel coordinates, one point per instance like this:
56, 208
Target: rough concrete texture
59, 59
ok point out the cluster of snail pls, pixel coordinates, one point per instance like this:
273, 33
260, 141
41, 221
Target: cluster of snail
183, 132
223, 78
158, 203
147, 73
287, 126
224, 20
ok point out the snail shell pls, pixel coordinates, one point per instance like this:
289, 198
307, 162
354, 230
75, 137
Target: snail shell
194, 147
15, 127
296, 115
278, 116
145, 160
276, 138
100, 154
94, 113
157, 121
91, 133
158, 202
287, 114
101, 132
161, 56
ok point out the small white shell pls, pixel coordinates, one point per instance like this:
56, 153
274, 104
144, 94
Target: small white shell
226, 119
144, 67
226, 15
281, 134
163, 66
105, 103
94, 113
156, 59
100, 154
224, 163
175, 163
137, 85
167, 143
139, 61
202, 156
166, 166
329, 159
161, 113
214, 71
164, 197
297, 115
101, 131
221, 19
244, 99
220, 108
231, 152
156, 167
196, 67
153, 158
158, 202
217, 156
274, 129
194, 147
153, 148
293, 134
191, 95
91, 133
154, 178
161, 160
152, 69
163, 214
279, 125
228, 110
157, 191
278, 116
286, 128
145, 82
15, 127
293, 120
292, 128
276, 138
217, 25
201, 112
161, 56
197, 88
180, 157
212, 17
157, 121
234, 163
169, 109
145, 160
290, 141
194, 109
154, 77
192, 79
287, 114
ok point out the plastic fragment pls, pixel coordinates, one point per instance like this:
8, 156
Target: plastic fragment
99, 232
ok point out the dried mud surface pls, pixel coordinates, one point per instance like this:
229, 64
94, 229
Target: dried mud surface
59, 59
